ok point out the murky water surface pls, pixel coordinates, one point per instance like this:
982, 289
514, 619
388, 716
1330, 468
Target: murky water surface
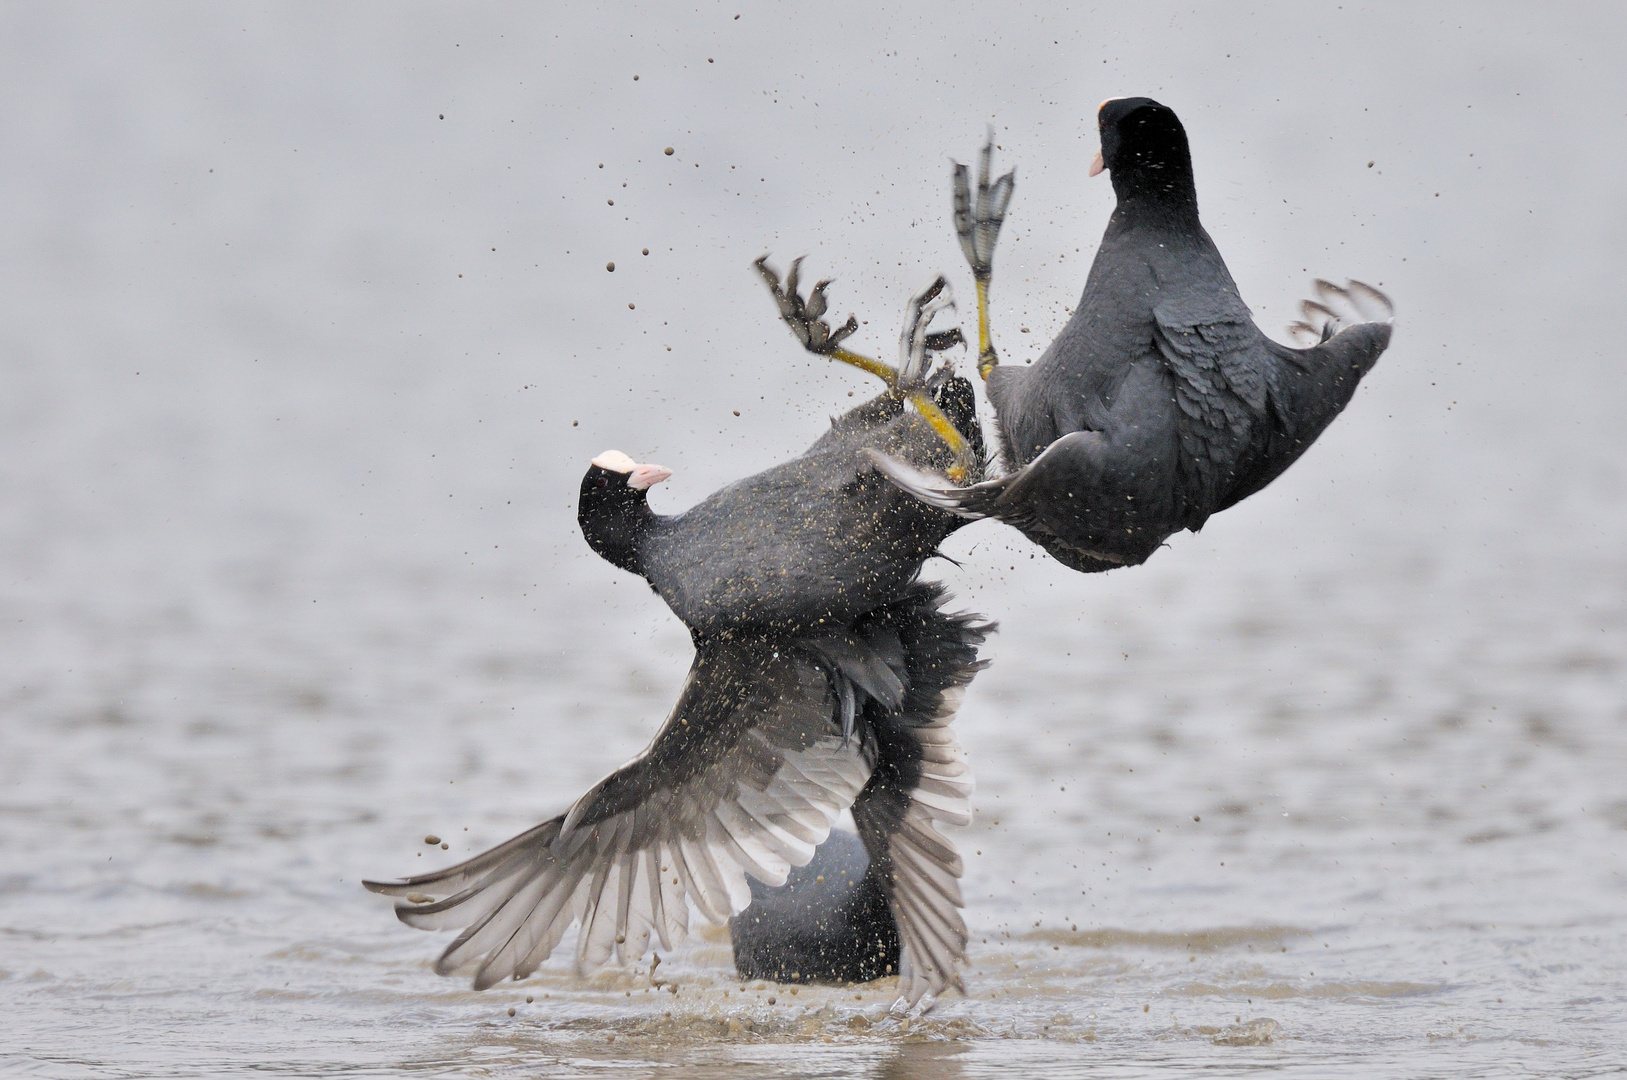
307, 337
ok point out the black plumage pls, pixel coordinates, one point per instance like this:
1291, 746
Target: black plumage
815, 541
1160, 402
825, 678
829, 922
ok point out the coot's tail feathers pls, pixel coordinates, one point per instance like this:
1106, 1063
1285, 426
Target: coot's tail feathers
746, 777
921, 777
977, 501
1337, 307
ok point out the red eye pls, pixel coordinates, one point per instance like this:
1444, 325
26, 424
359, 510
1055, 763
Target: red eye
601, 482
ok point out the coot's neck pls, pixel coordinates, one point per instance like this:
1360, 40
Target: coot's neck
1142, 205
618, 551
615, 524
1155, 192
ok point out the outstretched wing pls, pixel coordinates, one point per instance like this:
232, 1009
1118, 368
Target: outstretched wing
746, 777
1351, 325
921, 777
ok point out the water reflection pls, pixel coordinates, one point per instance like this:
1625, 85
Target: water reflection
922, 1061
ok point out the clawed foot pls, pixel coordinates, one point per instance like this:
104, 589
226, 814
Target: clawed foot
915, 344
977, 224
917, 339
903, 1010
1336, 307
908, 381
805, 317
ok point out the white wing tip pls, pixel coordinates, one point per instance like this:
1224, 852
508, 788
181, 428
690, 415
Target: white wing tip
932, 489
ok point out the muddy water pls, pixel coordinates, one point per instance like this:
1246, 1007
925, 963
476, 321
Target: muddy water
307, 335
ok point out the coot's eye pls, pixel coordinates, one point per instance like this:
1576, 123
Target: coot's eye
600, 482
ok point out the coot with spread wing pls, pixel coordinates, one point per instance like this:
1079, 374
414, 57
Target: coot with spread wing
825, 678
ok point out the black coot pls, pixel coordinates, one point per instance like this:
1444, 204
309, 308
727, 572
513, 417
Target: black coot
825, 678
1161, 402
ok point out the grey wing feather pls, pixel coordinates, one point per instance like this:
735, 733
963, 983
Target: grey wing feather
1224, 375
1226, 384
924, 886
865, 666
746, 777
1354, 302
1337, 308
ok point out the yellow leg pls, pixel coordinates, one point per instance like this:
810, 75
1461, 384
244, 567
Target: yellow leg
987, 360
885, 372
923, 404
977, 223
947, 431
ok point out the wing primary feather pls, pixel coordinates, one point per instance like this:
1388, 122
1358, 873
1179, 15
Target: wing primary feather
1377, 306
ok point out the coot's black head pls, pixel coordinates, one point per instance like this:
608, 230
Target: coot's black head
1144, 148
614, 508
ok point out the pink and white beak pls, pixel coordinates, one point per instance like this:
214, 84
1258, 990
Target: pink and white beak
645, 476
640, 477
1096, 163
